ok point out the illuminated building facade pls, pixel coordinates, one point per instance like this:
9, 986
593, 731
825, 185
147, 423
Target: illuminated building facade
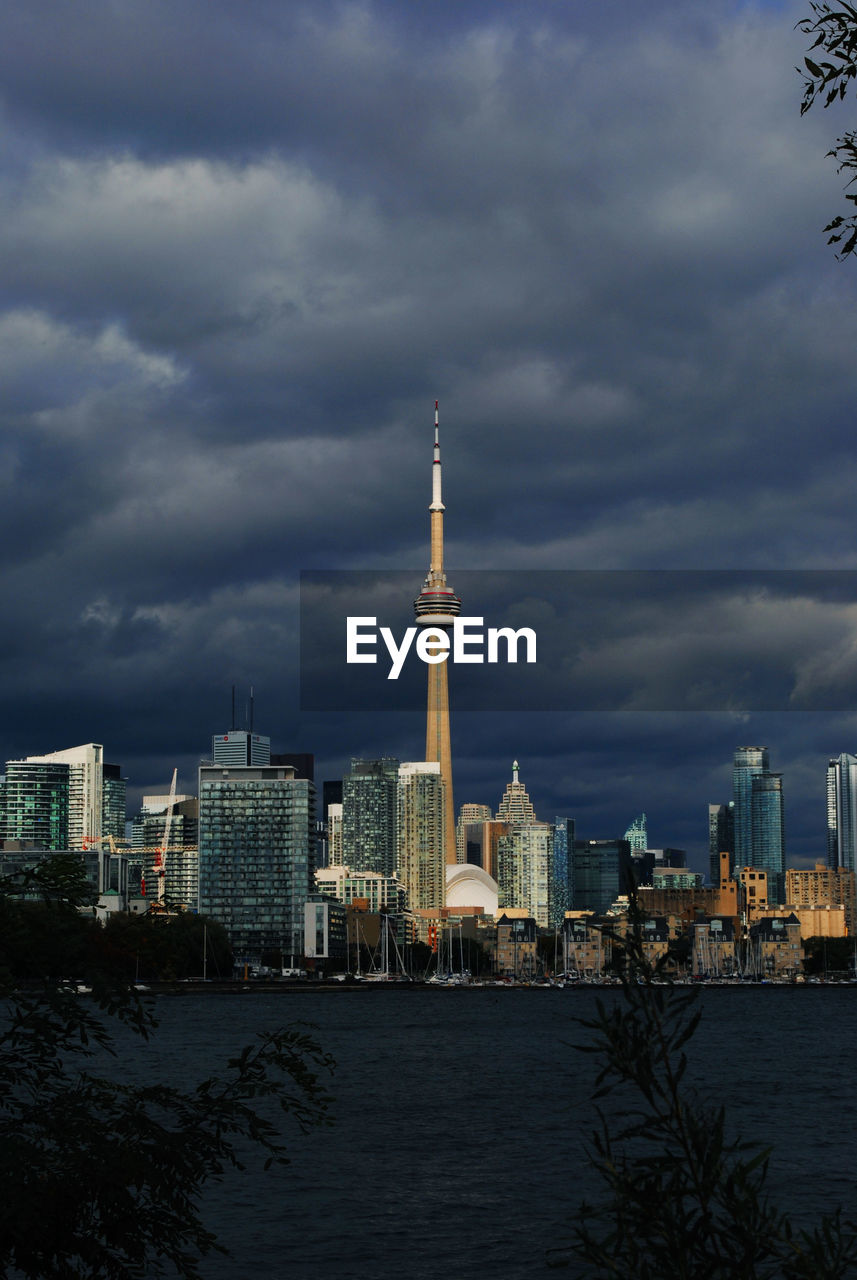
422, 830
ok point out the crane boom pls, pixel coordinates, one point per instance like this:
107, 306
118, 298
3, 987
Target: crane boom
161, 857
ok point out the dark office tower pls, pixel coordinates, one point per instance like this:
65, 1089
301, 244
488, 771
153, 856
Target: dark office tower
369, 815
748, 762
560, 889
112, 802
240, 748
601, 871
842, 813
721, 838
36, 799
769, 835
256, 855
303, 762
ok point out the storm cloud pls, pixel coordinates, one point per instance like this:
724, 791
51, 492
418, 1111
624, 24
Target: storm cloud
244, 249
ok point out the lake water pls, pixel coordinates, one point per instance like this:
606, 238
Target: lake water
461, 1116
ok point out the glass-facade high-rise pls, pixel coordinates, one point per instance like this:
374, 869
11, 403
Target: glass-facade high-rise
758, 816
113, 802
370, 816
721, 838
637, 835
842, 812
747, 763
35, 803
85, 784
601, 871
560, 879
768, 830
256, 855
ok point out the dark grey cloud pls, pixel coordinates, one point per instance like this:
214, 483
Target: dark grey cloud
244, 248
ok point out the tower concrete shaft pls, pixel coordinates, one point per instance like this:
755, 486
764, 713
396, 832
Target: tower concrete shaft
437, 607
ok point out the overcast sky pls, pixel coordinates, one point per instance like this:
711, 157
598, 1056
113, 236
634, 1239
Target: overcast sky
243, 249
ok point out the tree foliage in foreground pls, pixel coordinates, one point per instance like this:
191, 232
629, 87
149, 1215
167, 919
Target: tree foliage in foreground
100, 1178
682, 1199
827, 76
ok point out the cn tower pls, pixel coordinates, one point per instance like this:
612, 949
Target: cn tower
437, 606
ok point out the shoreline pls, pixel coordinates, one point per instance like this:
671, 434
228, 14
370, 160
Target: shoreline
240, 987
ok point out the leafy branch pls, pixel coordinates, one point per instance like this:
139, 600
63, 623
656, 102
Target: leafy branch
681, 1197
828, 78
98, 1177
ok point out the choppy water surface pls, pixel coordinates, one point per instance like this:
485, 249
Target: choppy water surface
460, 1118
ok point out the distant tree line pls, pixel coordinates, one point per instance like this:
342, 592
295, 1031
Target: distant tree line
66, 944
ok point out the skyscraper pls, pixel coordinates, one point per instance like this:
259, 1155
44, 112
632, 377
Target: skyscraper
35, 803
759, 820
334, 835
516, 806
768, 831
524, 867
85, 791
369, 815
421, 831
176, 850
469, 815
842, 812
601, 871
747, 762
481, 843
560, 888
721, 838
113, 802
437, 607
256, 855
637, 835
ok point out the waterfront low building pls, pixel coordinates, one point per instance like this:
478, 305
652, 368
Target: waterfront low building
325, 933
815, 922
775, 947
516, 947
587, 942
713, 950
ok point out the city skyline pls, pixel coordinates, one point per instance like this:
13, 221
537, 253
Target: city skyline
230, 304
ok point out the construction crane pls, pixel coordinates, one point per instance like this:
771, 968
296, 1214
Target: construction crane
162, 850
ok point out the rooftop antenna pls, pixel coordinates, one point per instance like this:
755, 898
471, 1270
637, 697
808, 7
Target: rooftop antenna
233, 709
251, 708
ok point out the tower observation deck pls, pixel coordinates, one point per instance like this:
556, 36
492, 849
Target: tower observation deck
437, 605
